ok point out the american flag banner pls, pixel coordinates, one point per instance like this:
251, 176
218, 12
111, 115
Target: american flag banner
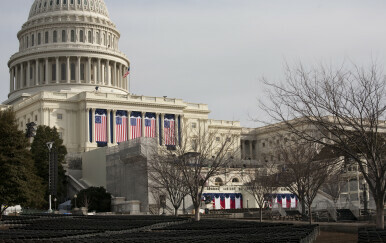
127, 73
135, 125
150, 125
169, 135
121, 126
101, 126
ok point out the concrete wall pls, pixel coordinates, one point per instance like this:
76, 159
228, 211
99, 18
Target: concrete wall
94, 167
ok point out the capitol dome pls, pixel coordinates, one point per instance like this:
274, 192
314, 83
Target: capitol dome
67, 45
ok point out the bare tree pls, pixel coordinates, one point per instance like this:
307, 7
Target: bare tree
305, 171
333, 186
347, 109
163, 173
261, 183
201, 154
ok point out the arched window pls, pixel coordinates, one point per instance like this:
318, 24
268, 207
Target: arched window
72, 1
72, 71
218, 181
79, 2
63, 71
39, 38
82, 71
51, 3
81, 36
64, 1
33, 40
235, 180
27, 41
64, 39
55, 36
72, 35
53, 78
57, 2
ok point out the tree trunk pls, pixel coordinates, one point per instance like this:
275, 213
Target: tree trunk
303, 208
175, 211
261, 214
380, 218
309, 214
197, 213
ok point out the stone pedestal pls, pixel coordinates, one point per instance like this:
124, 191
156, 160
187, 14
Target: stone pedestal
120, 205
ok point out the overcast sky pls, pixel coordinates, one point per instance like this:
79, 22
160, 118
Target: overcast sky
216, 51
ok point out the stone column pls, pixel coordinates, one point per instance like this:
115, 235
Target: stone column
57, 70
93, 124
95, 72
47, 74
115, 74
28, 74
89, 70
37, 72
162, 129
108, 73
22, 74
68, 70
108, 127
99, 78
114, 127
87, 115
16, 71
242, 149
119, 75
77, 73
143, 124
176, 129
10, 80
157, 126
128, 125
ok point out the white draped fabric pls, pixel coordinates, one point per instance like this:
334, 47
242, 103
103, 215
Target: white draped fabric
217, 204
228, 203
238, 202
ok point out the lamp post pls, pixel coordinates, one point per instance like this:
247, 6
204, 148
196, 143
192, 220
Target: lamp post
55, 203
49, 146
75, 197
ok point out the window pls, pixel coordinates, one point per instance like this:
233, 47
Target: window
263, 145
82, 71
30, 72
51, 3
27, 41
46, 37
98, 40
36, 118
235, 180
72, 71
53, 72
39, 38
72, 1
81, 37
194, 125
89, 37
218, 182
63, 71
59, 116
57, 2
64, 36
72, 35
33, 40
55, 36
64, 1
79, 2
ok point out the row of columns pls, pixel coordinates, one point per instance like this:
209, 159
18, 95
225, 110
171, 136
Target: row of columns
158, 130
103, 73
244, 154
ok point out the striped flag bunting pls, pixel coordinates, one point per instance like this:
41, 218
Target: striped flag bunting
169, 125
100, 126
150, 125
135, 125
121, 126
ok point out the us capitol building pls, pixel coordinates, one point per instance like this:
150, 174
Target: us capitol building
70, 74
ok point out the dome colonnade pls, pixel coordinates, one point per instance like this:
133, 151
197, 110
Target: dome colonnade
66, 43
